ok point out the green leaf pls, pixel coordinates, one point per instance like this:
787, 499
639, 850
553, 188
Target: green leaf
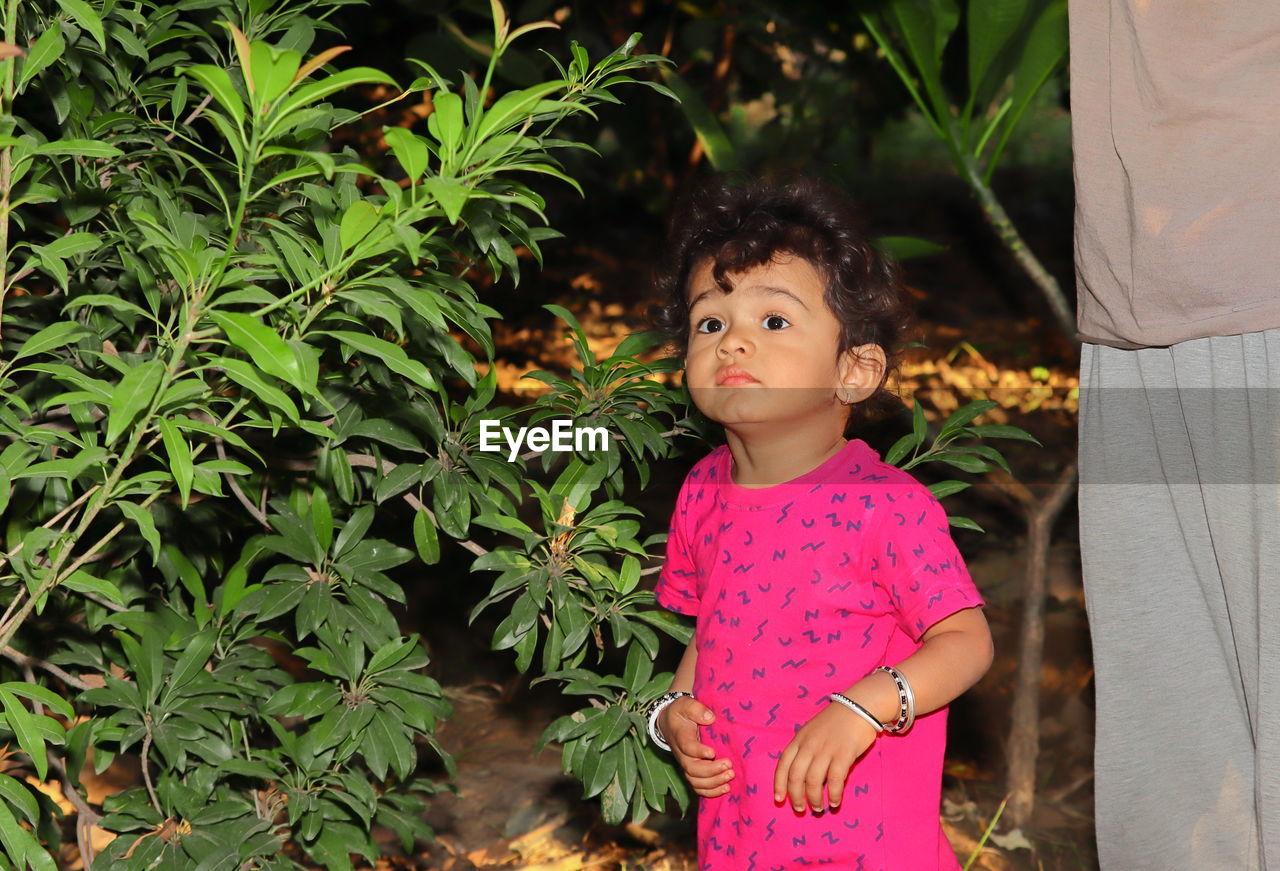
613, 801
72, 245
446, 123
51, 337
961, 459
629, 576
908, 247
146, 525
23, 724
180, 462
425, 538
579, 482
919, 426
357, 221
391, 653
514, 107
1042, 53
44, 51
192, 661
392, 355
307, 700
18, 796
409, 150
310, 93
321, 518
20, 846
964, 523
41, 694
945, 488
450, 193
132, 396
614, 725
1001, 431
264, 346
991, 24
217, 82
966, 413
395, 482
246, 376
900, 449
596, 777
273, 70
78, 148
81, 581
715, 142
82, 13
102, 300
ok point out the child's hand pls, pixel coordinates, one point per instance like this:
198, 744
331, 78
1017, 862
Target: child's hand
822, 752
679, 723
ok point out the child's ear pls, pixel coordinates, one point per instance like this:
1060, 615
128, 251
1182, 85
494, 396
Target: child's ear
861, 372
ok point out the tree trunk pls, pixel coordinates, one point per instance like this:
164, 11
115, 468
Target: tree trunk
1024, 734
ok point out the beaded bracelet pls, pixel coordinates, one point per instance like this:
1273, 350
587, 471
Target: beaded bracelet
862, 712
906, 701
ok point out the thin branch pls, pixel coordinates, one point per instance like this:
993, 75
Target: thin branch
21, 659
186, 122
239, 494
86, 816
1012, 240
52, 521
370, 462
146, 767
106, 603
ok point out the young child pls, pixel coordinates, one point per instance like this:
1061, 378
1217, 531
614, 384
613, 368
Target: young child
810, 564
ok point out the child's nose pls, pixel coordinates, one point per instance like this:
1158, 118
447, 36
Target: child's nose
734, 340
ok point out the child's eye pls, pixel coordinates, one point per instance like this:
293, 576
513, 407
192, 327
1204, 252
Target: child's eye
707, 322
771, 321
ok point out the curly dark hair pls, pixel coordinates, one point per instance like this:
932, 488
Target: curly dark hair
743, 223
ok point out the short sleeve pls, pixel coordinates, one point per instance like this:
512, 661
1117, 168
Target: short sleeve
677, 587
916, 561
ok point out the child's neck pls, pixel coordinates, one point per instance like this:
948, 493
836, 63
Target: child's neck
767, 462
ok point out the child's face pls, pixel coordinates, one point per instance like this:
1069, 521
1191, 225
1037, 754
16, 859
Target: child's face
767, 351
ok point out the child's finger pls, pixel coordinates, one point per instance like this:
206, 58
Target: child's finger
798, 783
815, 778
837, 774
704, 767
689, 745
699, 713
798, 778
710, 782
712, 793
782, 772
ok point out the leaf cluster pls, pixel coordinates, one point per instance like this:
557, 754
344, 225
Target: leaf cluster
231, 354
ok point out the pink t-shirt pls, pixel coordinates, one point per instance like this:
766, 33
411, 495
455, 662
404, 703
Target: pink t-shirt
800, 590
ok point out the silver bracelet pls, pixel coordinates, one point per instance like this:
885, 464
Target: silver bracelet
906, 701
658, 706
862, 712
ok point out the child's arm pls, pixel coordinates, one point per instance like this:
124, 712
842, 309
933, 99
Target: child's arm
678, 723
954, 655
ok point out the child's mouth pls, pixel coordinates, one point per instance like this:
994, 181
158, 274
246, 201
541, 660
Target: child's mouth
733, 376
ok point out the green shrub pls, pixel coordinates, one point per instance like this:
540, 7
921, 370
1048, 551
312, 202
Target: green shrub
227, 365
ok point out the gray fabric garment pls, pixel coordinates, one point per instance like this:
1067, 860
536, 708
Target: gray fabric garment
1175, 119
1180, 546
